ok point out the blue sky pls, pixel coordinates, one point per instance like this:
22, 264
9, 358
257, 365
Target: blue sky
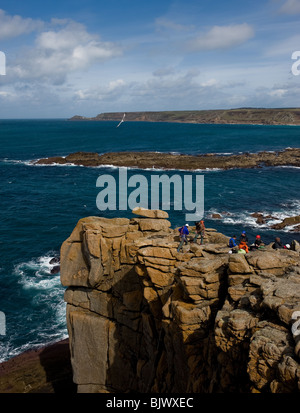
87, 57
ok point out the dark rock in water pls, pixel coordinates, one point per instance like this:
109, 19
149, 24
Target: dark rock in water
54, 260
256, 215
260, 220
225, 213
216, 216
55, 269
296, 229
287, 222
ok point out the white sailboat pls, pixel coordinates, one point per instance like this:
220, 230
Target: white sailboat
121, 120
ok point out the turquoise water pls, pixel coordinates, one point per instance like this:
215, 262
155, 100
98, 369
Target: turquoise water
40, 205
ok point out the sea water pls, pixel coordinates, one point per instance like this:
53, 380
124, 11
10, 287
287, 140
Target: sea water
40, 205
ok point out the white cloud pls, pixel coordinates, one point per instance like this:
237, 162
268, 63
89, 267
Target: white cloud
61, 51
108, 92
5, 94
13, 26
222, 37
290, 7
209, 83
278, 92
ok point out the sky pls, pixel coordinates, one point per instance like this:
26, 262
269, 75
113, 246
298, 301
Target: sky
85, 57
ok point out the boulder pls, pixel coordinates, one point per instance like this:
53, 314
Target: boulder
216, 216
239, 265
287, 222
55, 269
155, 225
150, 213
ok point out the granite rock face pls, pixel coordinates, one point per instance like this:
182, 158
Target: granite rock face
144, 318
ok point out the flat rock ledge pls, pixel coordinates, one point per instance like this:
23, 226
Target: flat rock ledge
46, 369
142, 160
144, 318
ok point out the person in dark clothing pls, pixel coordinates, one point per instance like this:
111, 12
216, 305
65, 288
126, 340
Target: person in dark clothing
277, 244
243, 237
258, 242
200, 231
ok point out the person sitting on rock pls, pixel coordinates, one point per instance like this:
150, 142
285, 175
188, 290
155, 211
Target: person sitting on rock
200, 231
258, 243
183, 236
243, 246
277, 244
244, 238
232, 244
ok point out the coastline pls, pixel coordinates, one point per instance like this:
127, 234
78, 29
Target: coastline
238, 116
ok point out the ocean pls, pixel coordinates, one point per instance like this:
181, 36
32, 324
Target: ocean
40, 205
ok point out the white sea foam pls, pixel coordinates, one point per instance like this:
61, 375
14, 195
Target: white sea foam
36, 273
288, 166
44, 290
289, 209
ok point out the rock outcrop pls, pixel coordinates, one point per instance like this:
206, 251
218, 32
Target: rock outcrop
144, 318
42, 370
287, 157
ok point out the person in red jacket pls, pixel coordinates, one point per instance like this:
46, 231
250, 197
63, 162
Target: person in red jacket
200, 231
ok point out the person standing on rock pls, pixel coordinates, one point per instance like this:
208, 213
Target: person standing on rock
200, 231
183, 236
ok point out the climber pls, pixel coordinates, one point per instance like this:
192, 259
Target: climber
232, 242
183, 235
243, 237
243, 246
258, 243
200, 231
277, 244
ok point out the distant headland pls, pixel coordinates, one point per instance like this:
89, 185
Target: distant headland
248, 116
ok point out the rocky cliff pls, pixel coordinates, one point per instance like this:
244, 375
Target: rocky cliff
144, 318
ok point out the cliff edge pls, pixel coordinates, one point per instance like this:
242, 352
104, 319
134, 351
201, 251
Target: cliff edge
144, 318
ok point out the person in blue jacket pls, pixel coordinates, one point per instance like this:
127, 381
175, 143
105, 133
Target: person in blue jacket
232, 243
183, 236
